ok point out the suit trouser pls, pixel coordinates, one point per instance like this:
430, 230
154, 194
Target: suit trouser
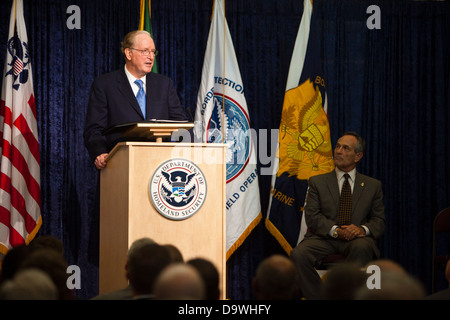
308, 253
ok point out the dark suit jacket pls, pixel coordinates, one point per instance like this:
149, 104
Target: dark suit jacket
322, 205
112, 102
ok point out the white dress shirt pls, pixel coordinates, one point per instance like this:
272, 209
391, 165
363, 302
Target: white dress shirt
132, 79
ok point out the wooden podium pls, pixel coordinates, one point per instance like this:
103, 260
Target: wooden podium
135, 203
156, 130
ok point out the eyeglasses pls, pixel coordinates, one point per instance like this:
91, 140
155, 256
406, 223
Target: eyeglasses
146, 52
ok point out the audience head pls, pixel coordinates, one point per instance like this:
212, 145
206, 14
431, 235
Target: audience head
139, 243
276, 279
343, 281
180, 281
29, 284
12, 261
175, 254
145, 262
47, 242
210, 276
54, 265
395, 284
387, 265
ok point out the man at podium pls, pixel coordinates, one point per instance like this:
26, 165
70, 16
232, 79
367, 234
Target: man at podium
131, 94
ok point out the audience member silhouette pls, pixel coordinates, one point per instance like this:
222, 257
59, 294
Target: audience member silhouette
210, 276
276, 279
395, 284
343, 280
445, 293
24, 256
39, 272
48, 242
12, 262
180, 281
144, 265
29, 284
175, 253
51, 262
387, 265
125, 293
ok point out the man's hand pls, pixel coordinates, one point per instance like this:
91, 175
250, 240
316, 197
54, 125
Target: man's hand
100, 161
350, 232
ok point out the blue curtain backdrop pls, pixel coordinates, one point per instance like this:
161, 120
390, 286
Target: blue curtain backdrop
389, 84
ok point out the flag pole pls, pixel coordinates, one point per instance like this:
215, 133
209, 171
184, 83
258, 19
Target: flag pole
15, 15
141, 16
223, 82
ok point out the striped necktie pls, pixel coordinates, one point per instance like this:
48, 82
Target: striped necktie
140, 97
345, 203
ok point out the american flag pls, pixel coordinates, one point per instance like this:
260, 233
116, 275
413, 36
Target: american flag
20, 194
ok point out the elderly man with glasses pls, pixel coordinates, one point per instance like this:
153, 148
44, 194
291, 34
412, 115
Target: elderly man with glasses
130, 94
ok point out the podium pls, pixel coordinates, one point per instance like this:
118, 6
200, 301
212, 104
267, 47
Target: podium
154, 129
173, 193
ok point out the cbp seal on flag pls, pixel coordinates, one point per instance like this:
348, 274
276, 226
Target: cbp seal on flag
178, 189
236, 126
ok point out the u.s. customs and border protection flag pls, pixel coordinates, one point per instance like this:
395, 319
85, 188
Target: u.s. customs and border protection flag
20, 195
222, 116
304, 146
145, 23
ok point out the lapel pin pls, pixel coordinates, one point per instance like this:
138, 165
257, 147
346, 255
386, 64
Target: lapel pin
362, 184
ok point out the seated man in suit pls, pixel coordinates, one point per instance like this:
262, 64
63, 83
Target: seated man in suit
131, 94
333, 227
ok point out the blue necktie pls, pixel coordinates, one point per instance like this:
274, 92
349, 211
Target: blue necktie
141, 96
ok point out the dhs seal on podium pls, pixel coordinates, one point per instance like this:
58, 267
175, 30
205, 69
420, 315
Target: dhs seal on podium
178, 189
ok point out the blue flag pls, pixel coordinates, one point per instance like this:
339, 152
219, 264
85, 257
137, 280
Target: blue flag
304, 141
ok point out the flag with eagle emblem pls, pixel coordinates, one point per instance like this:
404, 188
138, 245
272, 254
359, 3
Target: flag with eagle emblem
304, 144
222, 117
20, 193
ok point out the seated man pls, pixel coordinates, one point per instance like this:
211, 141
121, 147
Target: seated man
347, 222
